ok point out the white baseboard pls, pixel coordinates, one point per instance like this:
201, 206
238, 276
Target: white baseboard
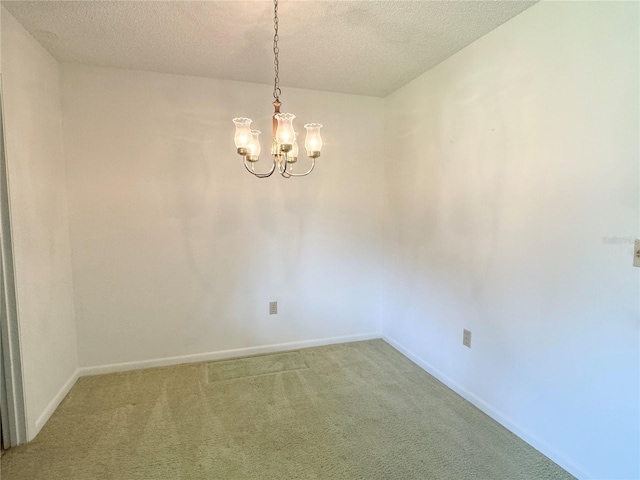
53, 404
223, 354
532, 440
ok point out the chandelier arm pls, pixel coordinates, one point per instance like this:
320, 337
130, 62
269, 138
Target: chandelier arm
291, 174
285, 173
259, 175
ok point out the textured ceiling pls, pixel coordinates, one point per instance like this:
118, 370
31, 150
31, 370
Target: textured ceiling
360, 47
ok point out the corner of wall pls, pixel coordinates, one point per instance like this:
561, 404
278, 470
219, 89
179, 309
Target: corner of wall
33, 116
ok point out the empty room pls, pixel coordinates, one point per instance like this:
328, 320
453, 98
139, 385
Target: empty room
285, 239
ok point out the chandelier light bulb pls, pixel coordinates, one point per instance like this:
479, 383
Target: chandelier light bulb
313, 142
285, 133
242, 137
254, 146
294, 148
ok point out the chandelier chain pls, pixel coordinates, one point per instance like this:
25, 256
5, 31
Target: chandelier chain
276, 50
284, 148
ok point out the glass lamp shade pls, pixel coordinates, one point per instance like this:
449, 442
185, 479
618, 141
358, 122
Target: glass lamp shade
294, 149
313, 142
254, 146
285, 133
242, 137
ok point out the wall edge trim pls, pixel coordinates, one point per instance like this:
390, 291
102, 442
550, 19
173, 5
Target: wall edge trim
53, 404
540, 445
223, 354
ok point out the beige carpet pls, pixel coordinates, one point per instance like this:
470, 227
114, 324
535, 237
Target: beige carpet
351, 411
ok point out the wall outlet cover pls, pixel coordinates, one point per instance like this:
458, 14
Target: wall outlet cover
466, 338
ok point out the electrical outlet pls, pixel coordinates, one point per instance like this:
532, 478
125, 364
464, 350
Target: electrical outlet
273, 308
466, 338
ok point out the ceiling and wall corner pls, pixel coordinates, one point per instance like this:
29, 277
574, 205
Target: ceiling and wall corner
362, 47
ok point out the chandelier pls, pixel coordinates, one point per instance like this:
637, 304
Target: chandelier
284, 146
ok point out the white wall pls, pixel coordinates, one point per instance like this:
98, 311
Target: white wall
38, 208
508, 165
177, 250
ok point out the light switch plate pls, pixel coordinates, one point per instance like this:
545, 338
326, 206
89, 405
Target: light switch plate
273, 308
636, 253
